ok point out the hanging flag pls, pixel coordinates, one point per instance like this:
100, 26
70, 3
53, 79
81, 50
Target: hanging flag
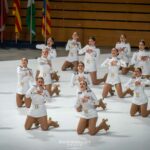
31, 17
3, 14
46, 19
16, 13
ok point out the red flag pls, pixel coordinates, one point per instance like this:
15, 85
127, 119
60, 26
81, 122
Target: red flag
3, 14
46, 19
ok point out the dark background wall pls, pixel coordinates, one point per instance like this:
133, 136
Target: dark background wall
105, 19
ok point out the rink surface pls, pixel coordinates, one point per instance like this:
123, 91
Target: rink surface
126, 133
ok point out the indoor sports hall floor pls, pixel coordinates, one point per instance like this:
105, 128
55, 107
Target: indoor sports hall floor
126, 133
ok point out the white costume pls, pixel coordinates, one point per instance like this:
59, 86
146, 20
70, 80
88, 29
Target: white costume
137, 62
91, 60
88, 109
139, 93
73, 47
25, 76
51, 53
37, 108
45, 70
126, 53
113, 71
77, 75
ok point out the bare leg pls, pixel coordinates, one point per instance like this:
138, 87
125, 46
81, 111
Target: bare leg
119, 90
83, 123
92, 126
66, 65
144, 111
128, 91
134, 109
95, 81
105, 77
49, 89
19, 100
55, 89
75, 65
106, 89
29, 122
54, 76
102, 104
131, 68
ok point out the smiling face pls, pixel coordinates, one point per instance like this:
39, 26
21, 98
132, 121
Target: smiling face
45, 53
137, 72
114, 52
24, 62
50, 42
80, 67
83, 85
141, 45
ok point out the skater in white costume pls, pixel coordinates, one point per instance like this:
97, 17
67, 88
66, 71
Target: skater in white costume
86, 107
140, 99
36, 97
80, 75
91, 60
73, 46
44, 70
25, 77
113, 78
124, 50
142, 59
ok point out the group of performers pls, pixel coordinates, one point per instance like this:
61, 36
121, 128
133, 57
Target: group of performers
84, 76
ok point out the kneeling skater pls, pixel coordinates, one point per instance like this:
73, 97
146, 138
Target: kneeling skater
140, 100
113, 79
25, 77
86, 104
36, 97
81, 75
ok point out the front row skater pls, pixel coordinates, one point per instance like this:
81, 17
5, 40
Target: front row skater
36, 97
86, 106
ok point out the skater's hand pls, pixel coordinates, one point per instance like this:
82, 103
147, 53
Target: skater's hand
79, 109
144, 58
89, 51
81, 79
137, 83
40, 92
114, 63
85, 99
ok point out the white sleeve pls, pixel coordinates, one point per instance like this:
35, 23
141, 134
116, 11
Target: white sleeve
97, 56
83, 50
79, 46
68, 45
72, 83
94, 98
122, 63
106, 63
128, 50
29, 92
89, 80
134, 59
145, 82
129, 84
53, 54
77, 102
46, 95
